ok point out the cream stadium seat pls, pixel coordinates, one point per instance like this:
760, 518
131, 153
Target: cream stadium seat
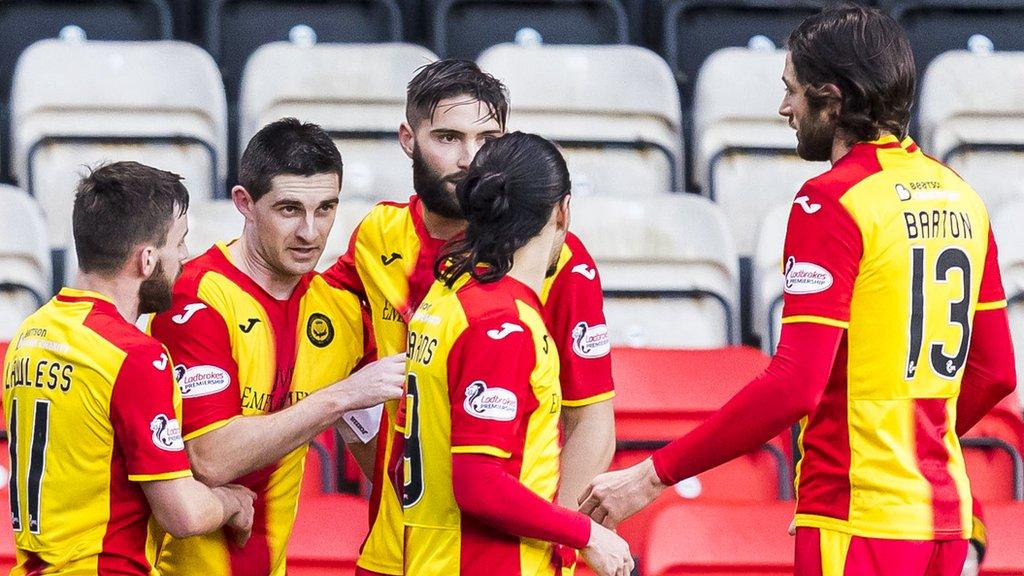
972, 118
668, 269
351, 212
767, 278
24, 259
613, 109
354, 91
76, 104
1010, 239
744, 151
211, 222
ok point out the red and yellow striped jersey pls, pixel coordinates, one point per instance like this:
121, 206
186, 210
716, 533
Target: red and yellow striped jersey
896, 249
91, 411
482, 379
390, 261
240, 352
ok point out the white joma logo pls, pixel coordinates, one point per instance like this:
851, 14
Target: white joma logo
506, 329
160, 364
190, 309
585, 271
804, 202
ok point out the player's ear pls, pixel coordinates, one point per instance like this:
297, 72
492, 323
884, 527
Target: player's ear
146, 259
407, 138
243, 201
562, 213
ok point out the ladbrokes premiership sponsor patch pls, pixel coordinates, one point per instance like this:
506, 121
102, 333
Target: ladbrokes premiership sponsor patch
203, 380
806, 278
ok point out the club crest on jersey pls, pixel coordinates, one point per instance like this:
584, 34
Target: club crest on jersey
506, 329
590, 341
490, 403
806, 278
204, 380
166, 433
319, 330
190, 310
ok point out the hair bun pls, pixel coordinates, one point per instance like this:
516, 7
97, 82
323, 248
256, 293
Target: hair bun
488, 198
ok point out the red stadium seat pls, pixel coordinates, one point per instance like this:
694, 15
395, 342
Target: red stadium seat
6, 534
329, 529
662, 394
1005, 540
721, 539
992, 449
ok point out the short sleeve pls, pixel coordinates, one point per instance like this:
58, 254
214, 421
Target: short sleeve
144, 412
206, 371
992, 295
821, 260
489, 371
574, 313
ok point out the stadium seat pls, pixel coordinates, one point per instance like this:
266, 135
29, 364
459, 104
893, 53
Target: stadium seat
351, 212
24, 259
744, 151
22, 22
329, 529
695, 539
972, 118
936, 26
354, 91
75, 105
1010, 238
211, 222
1005, 556
650, 402
464, 28
993, 451
667, 267
767, 277
693, 29
234, 29
613, 109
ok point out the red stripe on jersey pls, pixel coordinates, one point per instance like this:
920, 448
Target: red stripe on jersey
124, 544
483, 546
931, 423
825, 469
255, 557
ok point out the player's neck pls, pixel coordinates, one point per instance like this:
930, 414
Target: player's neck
439, 227
247, 259
530, 263
124, 292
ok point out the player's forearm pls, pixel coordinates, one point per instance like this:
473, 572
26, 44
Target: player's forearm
488, 494
184, 507
789, 389
250, 443
990, 373
589, 444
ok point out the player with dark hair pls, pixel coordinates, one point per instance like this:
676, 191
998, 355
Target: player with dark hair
453, 108
266, 348
891, 278
480, 418
92, 411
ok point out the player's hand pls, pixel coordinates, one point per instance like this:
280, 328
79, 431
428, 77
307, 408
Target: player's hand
372, 384
614, 496
240, 521
792, 528
607, 553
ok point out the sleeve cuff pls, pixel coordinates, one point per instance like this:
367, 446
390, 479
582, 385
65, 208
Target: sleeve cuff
816, 320
991, 305
597, 398
481, 449
157, 477
209, 428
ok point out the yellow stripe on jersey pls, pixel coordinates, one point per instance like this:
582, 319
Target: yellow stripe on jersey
991, 305
815, 320
588, 401
488, 450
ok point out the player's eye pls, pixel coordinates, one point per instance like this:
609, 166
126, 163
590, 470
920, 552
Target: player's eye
447, 138
289, 210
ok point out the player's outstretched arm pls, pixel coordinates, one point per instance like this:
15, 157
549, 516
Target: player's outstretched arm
249, 443
185, 507
589, 444
486, 492
990, 373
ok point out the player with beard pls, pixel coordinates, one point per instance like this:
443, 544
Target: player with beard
90, 403
891, 278
452, 110
266, 349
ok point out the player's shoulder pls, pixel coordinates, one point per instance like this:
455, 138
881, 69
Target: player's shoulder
496, 303
122, 335
852, 170
575, 262
385, 214
193, 272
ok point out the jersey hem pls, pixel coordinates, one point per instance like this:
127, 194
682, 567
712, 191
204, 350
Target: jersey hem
589, 400
163, 476
374, 567
816, 320
888, 532
209, 428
